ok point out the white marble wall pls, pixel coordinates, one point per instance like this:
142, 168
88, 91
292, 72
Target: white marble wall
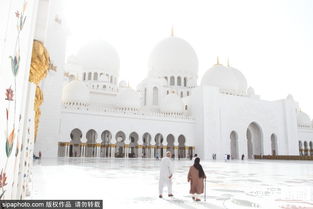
52, 31
217, 115
17, 25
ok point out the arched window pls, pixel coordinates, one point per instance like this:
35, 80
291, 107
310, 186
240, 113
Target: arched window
186, 107
311, 148
166, 79
95, 76
181, 94
101, 77
145, 97
167, 92
188, 93
172, 81
111, 79
178, 81
300, 148
155, 96
306, 151
84, 76
185, 81
89, 76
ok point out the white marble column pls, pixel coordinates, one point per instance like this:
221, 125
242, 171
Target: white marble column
112, 152
140, 151
66, 150
176, 151
84, 151
98, 150
152, 152
103, 151
126, 151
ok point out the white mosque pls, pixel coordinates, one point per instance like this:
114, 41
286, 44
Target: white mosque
168, 110
47, 106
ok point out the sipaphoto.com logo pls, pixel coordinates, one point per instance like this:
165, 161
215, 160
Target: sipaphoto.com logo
15, 204
42, 204
6, 204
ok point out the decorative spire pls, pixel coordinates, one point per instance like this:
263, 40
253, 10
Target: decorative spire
172, 31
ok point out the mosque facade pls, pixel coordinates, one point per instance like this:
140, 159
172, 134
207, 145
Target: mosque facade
94, 114
104, 117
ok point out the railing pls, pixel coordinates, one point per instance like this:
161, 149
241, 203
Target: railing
233, 92
282, 157
123, 111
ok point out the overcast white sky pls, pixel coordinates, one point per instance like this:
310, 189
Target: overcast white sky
270, 42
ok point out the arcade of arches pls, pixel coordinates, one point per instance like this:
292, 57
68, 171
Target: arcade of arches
306, 148
122, 146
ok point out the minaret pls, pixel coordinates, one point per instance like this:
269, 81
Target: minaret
217, 60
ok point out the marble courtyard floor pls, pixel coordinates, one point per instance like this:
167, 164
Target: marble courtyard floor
133, 183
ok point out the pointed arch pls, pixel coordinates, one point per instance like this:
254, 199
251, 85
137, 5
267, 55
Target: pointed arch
274, 145
234, 150
172, 81
254, 140
178, 81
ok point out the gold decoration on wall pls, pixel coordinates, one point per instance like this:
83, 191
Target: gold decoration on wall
39, 67
38, 102
40, 63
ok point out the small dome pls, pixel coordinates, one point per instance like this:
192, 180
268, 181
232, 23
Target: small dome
303, 119
98, 56
250, 91
123, 84
171, 103
290, 97
75, 92
127, 98
173, 56
226, 78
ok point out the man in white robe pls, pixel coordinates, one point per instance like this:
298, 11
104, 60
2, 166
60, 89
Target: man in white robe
166, 174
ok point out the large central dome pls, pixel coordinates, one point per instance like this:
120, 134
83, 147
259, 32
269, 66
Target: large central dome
173, 56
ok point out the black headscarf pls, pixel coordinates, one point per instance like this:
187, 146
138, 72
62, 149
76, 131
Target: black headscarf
199, 167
